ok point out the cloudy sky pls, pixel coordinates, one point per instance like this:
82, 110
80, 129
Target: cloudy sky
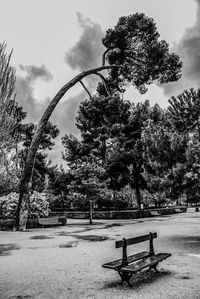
53, 40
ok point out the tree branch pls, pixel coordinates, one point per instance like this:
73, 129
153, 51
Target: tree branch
86, 89
126, 51
104, 56
105, 83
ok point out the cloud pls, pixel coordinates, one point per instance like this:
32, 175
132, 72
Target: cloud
25, 90
34, 72
88, 50
189, 50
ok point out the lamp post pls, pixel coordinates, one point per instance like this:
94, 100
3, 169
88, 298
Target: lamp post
91, 210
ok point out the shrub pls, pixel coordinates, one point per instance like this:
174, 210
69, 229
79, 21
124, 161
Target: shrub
39, 205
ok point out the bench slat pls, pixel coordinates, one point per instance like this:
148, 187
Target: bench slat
146, 262
132, 258
135, 240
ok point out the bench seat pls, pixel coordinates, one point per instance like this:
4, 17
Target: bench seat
130, 259
145, 263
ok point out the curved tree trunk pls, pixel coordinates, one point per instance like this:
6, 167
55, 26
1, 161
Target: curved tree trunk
23, 204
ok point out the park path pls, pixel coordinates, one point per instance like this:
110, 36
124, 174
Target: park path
65, 262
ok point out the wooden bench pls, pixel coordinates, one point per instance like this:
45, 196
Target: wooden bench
129, 265
154, 213
52, 221
178, 211
78, 215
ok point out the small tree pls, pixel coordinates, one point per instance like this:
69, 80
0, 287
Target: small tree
10, 113
11, 116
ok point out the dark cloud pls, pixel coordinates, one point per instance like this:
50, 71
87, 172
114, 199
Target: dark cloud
189, 50
88, 51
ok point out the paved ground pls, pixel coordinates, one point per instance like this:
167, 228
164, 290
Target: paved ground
65, 262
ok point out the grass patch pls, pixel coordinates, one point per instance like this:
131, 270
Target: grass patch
64, 233
92, 238
5, 249
41, 237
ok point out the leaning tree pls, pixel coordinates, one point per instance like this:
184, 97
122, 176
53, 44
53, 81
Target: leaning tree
133, 54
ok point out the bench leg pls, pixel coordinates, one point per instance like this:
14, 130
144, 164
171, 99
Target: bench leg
155, 268
125, 277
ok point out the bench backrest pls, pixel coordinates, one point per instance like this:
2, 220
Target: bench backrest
135, 240
126, 242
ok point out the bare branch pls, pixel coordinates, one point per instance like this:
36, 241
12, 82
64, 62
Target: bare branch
86, 89
104, 56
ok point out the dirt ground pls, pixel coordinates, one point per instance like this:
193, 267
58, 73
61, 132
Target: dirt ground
66, 262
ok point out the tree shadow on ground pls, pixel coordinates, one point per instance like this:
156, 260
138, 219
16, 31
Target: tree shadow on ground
188, 242
85, 224
64, 233
112, 225
5, 249
21, 297
92, 238
140, 279
41, 237
69, 244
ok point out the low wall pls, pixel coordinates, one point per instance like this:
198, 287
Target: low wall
8, 224
125, 214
